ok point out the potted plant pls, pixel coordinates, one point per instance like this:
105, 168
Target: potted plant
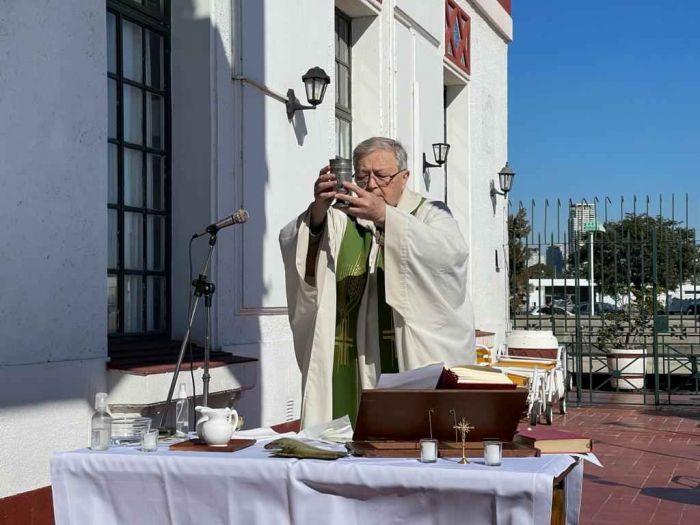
623, 339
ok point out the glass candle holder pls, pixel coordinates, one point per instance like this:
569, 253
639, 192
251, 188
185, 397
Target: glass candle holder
493, 452
149, 440
428, 450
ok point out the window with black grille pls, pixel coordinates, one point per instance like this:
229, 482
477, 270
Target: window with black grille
343, 99
138, 198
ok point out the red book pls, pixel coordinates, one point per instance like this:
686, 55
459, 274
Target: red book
553, 441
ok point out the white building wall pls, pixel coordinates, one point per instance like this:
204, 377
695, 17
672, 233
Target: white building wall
53, 250
397, 60
488, 131
232, 146
278, 163
369, 76
193, 40
459, 183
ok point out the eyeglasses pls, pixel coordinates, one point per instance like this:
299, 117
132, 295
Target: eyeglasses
362, 179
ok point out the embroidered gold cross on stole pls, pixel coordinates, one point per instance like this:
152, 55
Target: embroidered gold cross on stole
344, 343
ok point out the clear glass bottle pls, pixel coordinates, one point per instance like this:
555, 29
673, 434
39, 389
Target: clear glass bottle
182, 417
101, 424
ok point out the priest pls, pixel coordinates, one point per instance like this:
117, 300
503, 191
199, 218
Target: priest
378, 285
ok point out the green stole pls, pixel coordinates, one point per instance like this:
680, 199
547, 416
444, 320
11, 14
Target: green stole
351, 279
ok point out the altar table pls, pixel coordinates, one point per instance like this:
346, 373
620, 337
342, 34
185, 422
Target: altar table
127, 486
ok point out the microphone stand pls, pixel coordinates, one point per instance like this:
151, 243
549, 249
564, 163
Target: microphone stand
202, 287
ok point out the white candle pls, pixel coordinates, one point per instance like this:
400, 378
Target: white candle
492, 453
428, 450
149, 441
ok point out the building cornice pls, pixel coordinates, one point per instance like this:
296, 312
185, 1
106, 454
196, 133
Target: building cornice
495, 12
505, 4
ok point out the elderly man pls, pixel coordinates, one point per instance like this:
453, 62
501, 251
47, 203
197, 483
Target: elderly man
378, 286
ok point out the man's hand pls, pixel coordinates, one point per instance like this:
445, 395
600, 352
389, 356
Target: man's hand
324, 193
363, 205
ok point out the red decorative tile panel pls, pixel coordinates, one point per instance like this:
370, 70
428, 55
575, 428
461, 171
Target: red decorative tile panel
505, 4
457, 35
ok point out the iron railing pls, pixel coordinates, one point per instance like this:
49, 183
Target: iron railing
642, 271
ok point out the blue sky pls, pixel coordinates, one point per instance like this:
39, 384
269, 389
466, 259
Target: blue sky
604, 99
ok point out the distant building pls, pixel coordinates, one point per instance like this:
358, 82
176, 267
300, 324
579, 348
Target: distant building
555, 258
687, 290
579, 215
559, 292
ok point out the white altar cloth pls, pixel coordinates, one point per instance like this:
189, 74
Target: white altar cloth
128, 486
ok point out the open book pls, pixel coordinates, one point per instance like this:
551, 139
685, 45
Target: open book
423, 378
475, 377
438, 375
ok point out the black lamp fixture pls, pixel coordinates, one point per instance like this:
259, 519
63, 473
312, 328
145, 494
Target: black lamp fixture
440, 151
315, 83
505, 179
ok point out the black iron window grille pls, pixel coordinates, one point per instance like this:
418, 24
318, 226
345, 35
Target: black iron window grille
343, 91
138, 199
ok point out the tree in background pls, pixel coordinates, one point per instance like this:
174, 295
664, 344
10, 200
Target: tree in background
623, 255
541, 271
518, 255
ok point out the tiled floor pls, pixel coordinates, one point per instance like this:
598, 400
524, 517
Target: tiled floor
651, 464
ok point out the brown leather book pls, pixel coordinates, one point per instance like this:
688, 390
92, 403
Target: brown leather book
553, 441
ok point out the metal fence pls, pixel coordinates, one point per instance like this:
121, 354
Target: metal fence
618, 283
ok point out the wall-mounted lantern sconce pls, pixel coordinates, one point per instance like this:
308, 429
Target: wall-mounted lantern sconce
505, 179
315, 82
440, 151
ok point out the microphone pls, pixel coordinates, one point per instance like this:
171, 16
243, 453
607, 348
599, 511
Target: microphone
239, 217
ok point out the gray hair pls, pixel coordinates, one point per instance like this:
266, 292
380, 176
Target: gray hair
373, 144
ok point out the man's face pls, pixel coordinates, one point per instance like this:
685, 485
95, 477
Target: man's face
379, 174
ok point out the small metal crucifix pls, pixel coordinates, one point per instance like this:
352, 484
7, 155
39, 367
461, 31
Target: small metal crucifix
464, 427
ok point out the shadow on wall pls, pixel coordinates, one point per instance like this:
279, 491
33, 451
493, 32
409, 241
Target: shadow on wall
300, 127
210, 157
235, 149
251, 181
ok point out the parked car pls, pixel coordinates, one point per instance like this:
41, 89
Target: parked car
686, 306
547, 310
598, 308
564, 303
693, 309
